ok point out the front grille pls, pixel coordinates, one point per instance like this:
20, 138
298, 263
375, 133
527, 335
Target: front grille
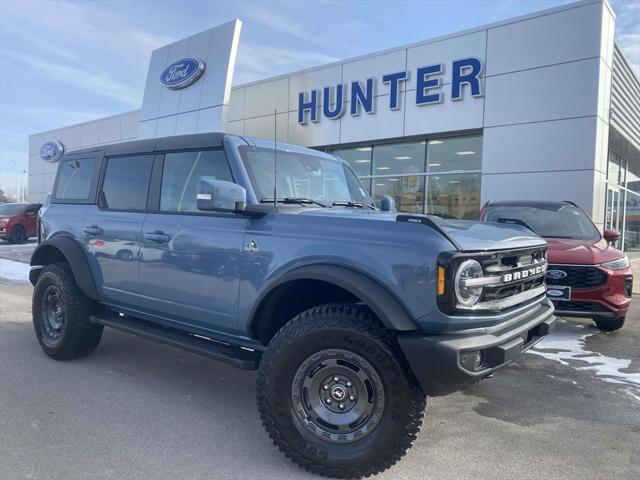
577, 277
579, 307
513, 262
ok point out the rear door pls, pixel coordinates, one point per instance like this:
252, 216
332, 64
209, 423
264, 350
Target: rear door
112, 230
189, 269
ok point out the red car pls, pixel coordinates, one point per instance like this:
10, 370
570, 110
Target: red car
18, 221
586, 276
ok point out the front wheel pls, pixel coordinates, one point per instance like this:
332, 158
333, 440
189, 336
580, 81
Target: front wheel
61, 315
336, 394
609, 324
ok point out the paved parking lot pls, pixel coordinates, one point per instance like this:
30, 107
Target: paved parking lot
138, 410
20, 253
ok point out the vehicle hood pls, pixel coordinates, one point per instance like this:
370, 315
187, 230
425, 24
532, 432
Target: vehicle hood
581, 252
468, 235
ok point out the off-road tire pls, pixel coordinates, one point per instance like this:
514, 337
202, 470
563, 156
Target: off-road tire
609, 324
18, 235
76, 337
354, 329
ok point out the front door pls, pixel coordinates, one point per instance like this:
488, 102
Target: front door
189, 269
112, 232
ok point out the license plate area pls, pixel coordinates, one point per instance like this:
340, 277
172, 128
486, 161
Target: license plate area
559, 293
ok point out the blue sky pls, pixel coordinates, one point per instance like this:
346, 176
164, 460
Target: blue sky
65, 62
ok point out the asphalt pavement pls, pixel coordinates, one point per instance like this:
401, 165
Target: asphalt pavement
139, 410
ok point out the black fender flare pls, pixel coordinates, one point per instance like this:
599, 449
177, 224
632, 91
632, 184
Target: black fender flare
379, 299
51, 251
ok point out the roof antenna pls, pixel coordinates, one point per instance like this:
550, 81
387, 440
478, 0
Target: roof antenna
275, 159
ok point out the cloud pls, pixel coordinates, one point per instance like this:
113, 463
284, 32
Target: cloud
98, 83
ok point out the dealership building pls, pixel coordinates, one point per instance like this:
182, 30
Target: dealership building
542, 106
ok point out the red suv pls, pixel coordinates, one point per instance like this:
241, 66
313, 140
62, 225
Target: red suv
587, 276
18, 221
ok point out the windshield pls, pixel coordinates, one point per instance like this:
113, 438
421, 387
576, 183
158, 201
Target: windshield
565, 222
11, 208
321, 179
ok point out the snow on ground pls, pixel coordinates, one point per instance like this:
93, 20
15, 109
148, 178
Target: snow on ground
564, 346
14, 271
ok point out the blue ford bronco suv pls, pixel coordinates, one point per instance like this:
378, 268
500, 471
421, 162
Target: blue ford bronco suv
275, 258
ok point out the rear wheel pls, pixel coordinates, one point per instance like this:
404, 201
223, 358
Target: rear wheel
18, 235
61, 315
336, 395
609, 324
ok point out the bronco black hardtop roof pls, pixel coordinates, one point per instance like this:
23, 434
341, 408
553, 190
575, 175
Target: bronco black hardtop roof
177, 142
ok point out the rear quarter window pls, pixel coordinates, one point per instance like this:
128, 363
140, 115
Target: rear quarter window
75, 178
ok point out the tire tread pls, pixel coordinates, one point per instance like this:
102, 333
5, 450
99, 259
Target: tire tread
358, 319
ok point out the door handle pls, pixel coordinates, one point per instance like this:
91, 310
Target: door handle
93, 230
157, 236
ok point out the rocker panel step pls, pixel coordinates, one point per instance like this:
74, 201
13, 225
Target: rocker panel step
222, 352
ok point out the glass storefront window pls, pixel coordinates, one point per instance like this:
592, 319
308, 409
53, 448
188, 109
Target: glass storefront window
449, 168
359, 158
633, 175
454, 196
408, 192
632, 225
398, 158
454, 154
614, 170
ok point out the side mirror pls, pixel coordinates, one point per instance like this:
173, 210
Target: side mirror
611, 235
387, 204
215, 195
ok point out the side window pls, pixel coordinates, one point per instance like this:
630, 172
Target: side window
180, 177
126, 182
74, 179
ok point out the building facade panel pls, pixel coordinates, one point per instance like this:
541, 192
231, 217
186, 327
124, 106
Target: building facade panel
384, 123
265, 127
236, 104
447, 116
445, 52
265, 98
546, 40
570, 185
563, 145
186, 123
556, 92
374, 66
310, 80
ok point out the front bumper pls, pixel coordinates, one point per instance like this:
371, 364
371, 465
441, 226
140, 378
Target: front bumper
445, 363
610, 300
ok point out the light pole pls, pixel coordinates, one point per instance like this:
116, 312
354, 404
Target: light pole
22, 194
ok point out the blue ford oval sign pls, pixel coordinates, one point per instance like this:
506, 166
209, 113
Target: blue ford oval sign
182, 73
51, 151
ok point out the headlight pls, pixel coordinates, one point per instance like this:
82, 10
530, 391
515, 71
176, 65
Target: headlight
4, 221
468, 294
617, 264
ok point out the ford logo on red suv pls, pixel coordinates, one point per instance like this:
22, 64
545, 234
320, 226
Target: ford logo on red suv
556, 274
587, 276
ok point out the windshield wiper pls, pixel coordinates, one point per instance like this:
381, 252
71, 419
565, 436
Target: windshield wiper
302, 200
349, 203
